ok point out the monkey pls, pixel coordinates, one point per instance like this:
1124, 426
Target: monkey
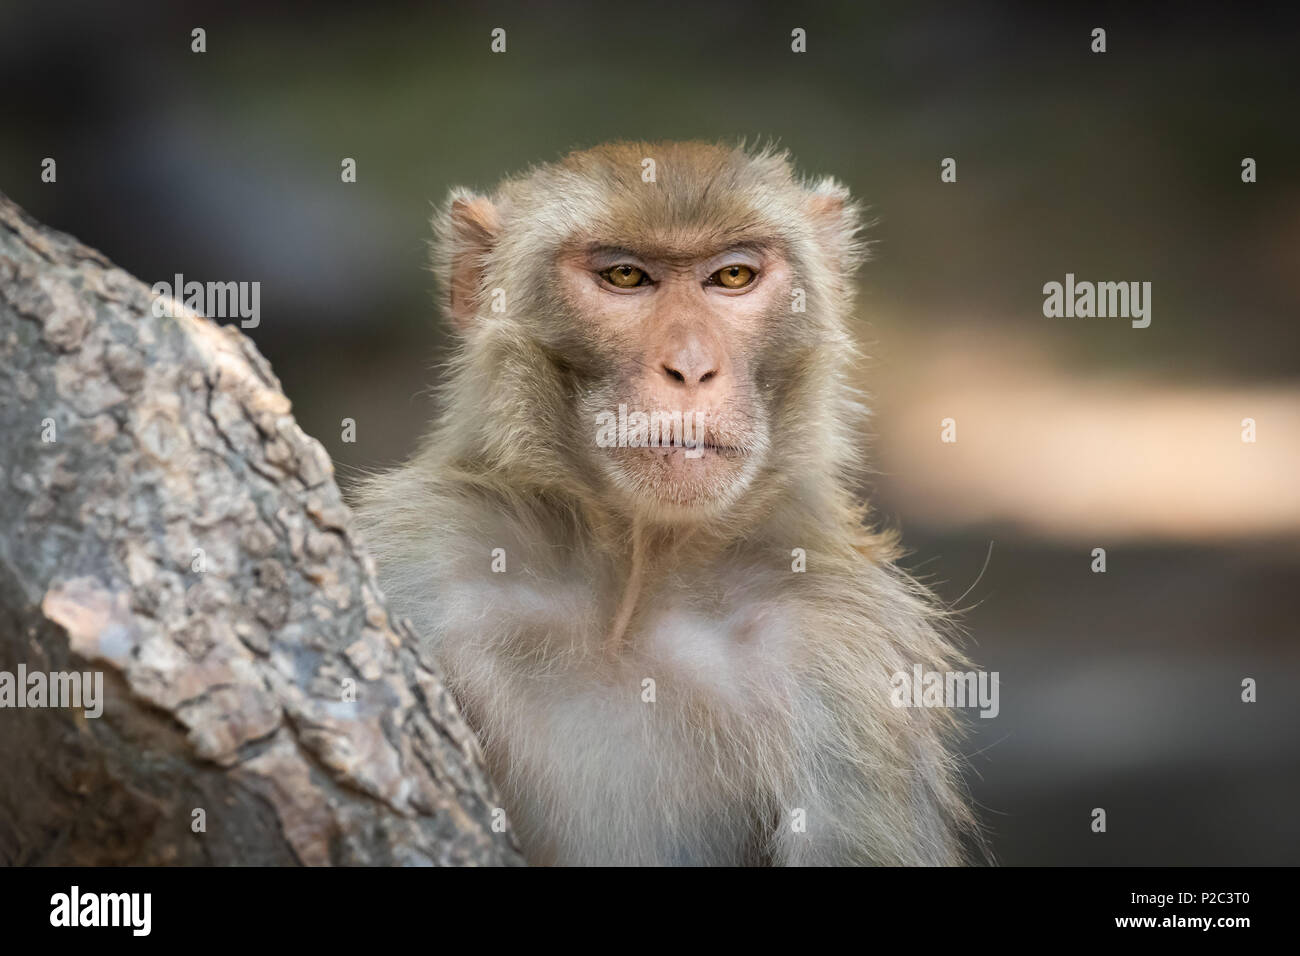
673, 652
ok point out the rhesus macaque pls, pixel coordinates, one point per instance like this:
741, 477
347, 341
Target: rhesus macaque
673, 652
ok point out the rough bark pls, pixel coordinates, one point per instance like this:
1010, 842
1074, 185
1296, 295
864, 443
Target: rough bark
226, 672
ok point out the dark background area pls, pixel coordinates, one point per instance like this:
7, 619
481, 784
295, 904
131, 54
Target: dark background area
1118, 690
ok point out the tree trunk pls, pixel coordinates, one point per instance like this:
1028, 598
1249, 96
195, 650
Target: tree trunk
164, 523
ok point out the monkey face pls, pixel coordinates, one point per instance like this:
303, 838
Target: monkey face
661, 325
676, 422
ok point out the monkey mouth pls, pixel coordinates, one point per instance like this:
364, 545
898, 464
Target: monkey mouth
676, 482
698, 450
684, 474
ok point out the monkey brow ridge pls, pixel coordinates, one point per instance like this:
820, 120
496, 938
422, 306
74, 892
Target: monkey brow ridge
677, 252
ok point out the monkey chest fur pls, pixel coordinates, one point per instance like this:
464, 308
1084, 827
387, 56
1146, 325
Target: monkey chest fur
667, 749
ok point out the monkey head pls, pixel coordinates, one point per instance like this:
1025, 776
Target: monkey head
655, 325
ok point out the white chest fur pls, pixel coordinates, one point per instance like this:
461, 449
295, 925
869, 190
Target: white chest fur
648, 756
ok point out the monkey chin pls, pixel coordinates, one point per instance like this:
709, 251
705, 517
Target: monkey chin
669, 485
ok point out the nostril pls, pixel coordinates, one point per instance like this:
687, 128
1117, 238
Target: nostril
674, 374
706, 376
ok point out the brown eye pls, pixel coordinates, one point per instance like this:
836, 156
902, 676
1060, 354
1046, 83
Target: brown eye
733, 277
624, 276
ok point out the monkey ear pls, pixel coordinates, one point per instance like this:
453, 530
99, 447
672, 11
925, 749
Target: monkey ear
467, 230
837, 221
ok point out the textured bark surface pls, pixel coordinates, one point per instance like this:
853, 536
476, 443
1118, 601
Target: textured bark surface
226, 689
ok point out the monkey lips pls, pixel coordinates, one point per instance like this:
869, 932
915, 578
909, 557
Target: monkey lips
700, 474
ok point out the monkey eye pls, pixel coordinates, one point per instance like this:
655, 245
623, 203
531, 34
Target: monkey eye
624, 276
732, 277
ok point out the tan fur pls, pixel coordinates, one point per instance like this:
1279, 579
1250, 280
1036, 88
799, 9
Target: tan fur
771, 687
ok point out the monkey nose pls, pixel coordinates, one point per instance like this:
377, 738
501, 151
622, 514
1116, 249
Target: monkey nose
688, 374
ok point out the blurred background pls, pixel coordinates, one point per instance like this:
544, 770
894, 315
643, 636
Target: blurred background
1119, 690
